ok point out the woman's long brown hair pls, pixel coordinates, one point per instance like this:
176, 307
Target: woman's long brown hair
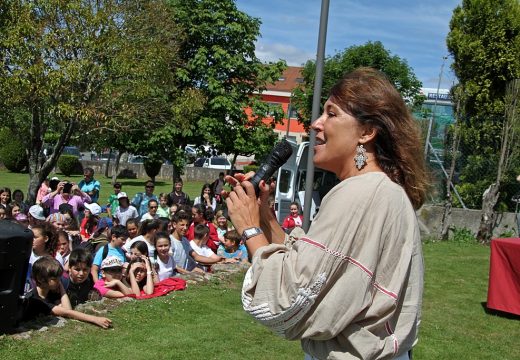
369, 96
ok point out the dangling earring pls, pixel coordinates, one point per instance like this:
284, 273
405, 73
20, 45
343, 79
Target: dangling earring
361, 157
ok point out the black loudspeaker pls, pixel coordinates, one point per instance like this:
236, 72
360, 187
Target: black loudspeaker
15, 250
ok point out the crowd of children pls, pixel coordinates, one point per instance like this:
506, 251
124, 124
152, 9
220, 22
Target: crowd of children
79, 254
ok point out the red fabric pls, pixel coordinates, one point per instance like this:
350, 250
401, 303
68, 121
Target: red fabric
504, 276
162, 288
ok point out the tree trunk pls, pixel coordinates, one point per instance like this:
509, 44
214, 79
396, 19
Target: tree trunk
446, 216
488, 217
233, 163
107, 164
448, 203
39, 170
116, 167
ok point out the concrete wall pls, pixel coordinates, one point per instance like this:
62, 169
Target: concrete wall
430, 221
137, 171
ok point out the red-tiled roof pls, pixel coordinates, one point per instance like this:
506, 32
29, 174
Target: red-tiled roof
288, 81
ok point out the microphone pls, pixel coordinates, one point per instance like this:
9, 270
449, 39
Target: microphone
279, 156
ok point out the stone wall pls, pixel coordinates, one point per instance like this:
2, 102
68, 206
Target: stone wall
430, 217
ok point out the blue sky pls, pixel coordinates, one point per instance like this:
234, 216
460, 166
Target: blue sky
413, 30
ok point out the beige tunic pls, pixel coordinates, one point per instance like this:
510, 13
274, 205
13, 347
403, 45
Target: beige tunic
352, 287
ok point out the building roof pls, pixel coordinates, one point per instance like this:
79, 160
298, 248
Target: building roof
288, 81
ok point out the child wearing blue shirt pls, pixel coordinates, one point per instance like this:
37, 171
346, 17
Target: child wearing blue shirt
232, 250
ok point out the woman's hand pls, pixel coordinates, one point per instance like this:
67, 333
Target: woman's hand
146, 262
243, 206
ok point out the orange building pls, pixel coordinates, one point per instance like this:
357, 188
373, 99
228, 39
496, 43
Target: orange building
279, 93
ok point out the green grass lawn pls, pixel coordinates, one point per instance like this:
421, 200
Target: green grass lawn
130, 186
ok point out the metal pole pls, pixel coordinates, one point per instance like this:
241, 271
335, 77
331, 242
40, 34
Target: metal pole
288, 117
316, 100
430, 124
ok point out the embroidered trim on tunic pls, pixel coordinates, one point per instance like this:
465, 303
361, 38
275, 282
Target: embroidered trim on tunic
353, 262
394, 338
281, 322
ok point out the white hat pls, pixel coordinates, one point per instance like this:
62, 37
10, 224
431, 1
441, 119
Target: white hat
111, 261
121, 195
54, 178
36, 212
94, 208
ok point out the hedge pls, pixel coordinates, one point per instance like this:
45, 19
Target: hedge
70, 165
13, 156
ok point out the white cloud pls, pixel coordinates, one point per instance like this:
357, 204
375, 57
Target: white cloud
275, 51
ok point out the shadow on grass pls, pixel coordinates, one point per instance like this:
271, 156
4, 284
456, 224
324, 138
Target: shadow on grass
499, 313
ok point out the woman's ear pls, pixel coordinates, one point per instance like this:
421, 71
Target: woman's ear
368, 134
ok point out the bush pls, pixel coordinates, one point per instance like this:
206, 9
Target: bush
152, 167
248, 168
70, 165
13, 156
463, 236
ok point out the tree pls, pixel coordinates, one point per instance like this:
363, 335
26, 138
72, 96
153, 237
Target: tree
372, 54
484, 41
83, 66
219, 60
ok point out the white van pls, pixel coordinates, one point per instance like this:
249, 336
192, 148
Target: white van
217, 162
290, 183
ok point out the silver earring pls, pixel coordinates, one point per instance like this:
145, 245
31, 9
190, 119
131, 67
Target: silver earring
361, 157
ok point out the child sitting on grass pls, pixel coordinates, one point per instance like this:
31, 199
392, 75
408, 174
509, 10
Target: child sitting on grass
232, 250
198, 244
140, 276
110, 285
48, 297
117, 237
165, 265
81, 285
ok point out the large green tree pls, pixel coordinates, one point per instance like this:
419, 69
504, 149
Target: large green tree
84, 67
372, 54
219, 60
484, 41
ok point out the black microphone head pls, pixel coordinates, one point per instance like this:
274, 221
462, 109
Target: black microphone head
281, 153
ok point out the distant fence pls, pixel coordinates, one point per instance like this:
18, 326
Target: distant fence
130, 170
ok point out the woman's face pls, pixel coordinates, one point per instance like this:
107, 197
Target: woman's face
140, 272
63, 245
15, 211
207, 191
4, 197
337, 135
39, 241
132, 230
59, 224
294, 210
162, 246
222, 221
18, 197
